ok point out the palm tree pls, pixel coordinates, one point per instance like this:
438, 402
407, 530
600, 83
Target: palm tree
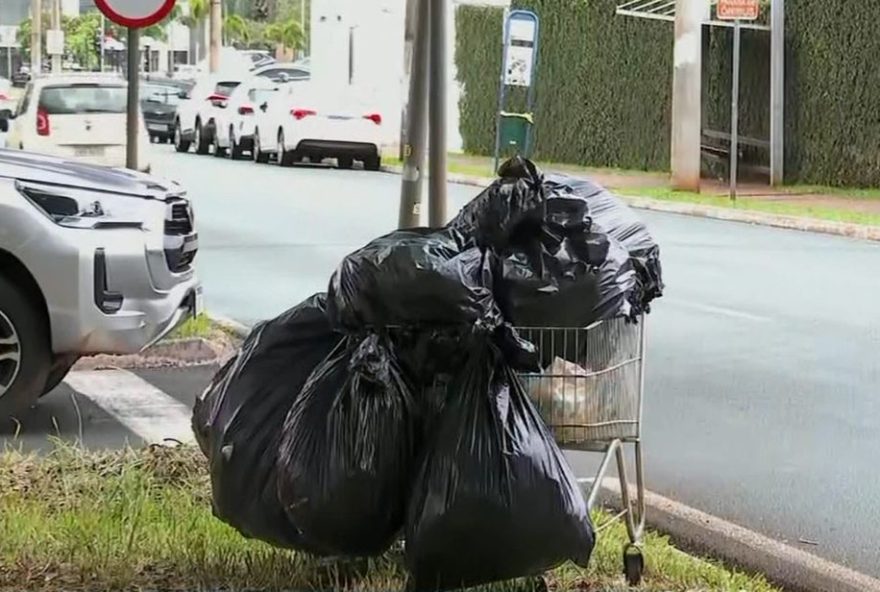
237, 29
288, 34
195, 20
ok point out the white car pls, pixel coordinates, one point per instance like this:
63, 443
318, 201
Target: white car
308, 123
77, 116
235, 123
198, 111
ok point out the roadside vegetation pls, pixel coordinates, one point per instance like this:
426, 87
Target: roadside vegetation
141, 519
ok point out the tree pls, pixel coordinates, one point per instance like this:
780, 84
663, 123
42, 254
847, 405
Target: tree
195, 20
287, 33
237, 30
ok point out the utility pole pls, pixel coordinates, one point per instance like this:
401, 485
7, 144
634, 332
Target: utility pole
437, 92
36, 37
416, 119
777, 92
56, 26
216, 35
686, 95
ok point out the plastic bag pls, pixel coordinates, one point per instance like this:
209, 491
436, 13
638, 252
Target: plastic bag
346, 459
411, 277
494, 498
613, 217
566, 395
238, 419
566, 281
508, 212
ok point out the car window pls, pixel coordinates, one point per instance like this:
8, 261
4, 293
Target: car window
161, 93
73, 99
262, 95
225, 89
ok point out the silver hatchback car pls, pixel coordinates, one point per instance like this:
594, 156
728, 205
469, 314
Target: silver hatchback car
92, 260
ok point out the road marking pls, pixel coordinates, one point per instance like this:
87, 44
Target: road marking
136, 404
718, 310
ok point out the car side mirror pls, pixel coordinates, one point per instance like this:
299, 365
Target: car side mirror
264, 107
183, 95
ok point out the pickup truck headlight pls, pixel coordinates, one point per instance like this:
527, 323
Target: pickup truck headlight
81, 208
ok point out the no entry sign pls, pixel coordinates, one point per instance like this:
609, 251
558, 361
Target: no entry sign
135, 13
743, 10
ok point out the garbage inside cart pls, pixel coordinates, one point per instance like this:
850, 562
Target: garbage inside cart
427, 396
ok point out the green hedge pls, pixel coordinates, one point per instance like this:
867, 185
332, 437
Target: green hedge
604, 85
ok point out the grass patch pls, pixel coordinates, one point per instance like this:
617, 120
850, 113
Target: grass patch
200, 326
141, 519
642, 185
760, 205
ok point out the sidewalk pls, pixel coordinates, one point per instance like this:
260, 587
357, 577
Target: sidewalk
837, 205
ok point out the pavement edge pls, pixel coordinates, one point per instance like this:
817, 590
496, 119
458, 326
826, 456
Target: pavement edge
237, 329
850, 230
697, 532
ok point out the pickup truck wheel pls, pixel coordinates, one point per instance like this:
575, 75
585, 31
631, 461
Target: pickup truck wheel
180, 144
25, 359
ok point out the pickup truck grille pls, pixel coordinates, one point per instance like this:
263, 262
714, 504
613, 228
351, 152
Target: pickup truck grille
181, 240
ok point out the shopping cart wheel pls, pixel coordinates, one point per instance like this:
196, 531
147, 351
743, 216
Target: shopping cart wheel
633, 564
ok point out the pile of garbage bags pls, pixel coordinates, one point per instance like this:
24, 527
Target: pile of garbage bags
392, 406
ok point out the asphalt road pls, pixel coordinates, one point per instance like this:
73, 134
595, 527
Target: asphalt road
763, 358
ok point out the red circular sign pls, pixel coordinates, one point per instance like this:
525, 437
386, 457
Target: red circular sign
136, 14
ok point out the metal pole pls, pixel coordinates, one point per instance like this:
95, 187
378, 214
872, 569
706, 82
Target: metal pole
734, 112
686, 95
777, 92
103, 39
216, 34
133, 111
36, 37
437, 92
56, 25
417, 123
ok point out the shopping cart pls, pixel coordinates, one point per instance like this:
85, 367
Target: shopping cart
590, 395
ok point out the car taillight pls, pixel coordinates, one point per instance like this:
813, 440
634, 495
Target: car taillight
245, 110
375, 118
42, 122
300, 114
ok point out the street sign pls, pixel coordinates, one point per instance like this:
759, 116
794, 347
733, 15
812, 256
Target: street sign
135, 14
55, 42
8, 36
522, 36
743, 10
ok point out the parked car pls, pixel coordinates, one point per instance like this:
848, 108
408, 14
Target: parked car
76, 116
259, 57
92, 260
235, 124
22, 77
283, 72
309, 123
159, 101
197, 112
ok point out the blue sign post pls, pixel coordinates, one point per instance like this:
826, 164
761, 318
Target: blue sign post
514, 131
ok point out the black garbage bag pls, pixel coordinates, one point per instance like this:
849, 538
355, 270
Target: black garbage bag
508, 212
411, 277
345, 462
611, 216
569, 279
494, 498
238, 419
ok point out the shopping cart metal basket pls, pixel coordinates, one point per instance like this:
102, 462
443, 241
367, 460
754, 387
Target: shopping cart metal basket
590, 395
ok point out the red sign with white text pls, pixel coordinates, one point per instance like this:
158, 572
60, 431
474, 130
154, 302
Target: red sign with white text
743, 10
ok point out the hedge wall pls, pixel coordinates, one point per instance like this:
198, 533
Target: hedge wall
604, 86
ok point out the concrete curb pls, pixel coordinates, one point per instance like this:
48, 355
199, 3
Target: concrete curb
856, 231
788, 567
237, 329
